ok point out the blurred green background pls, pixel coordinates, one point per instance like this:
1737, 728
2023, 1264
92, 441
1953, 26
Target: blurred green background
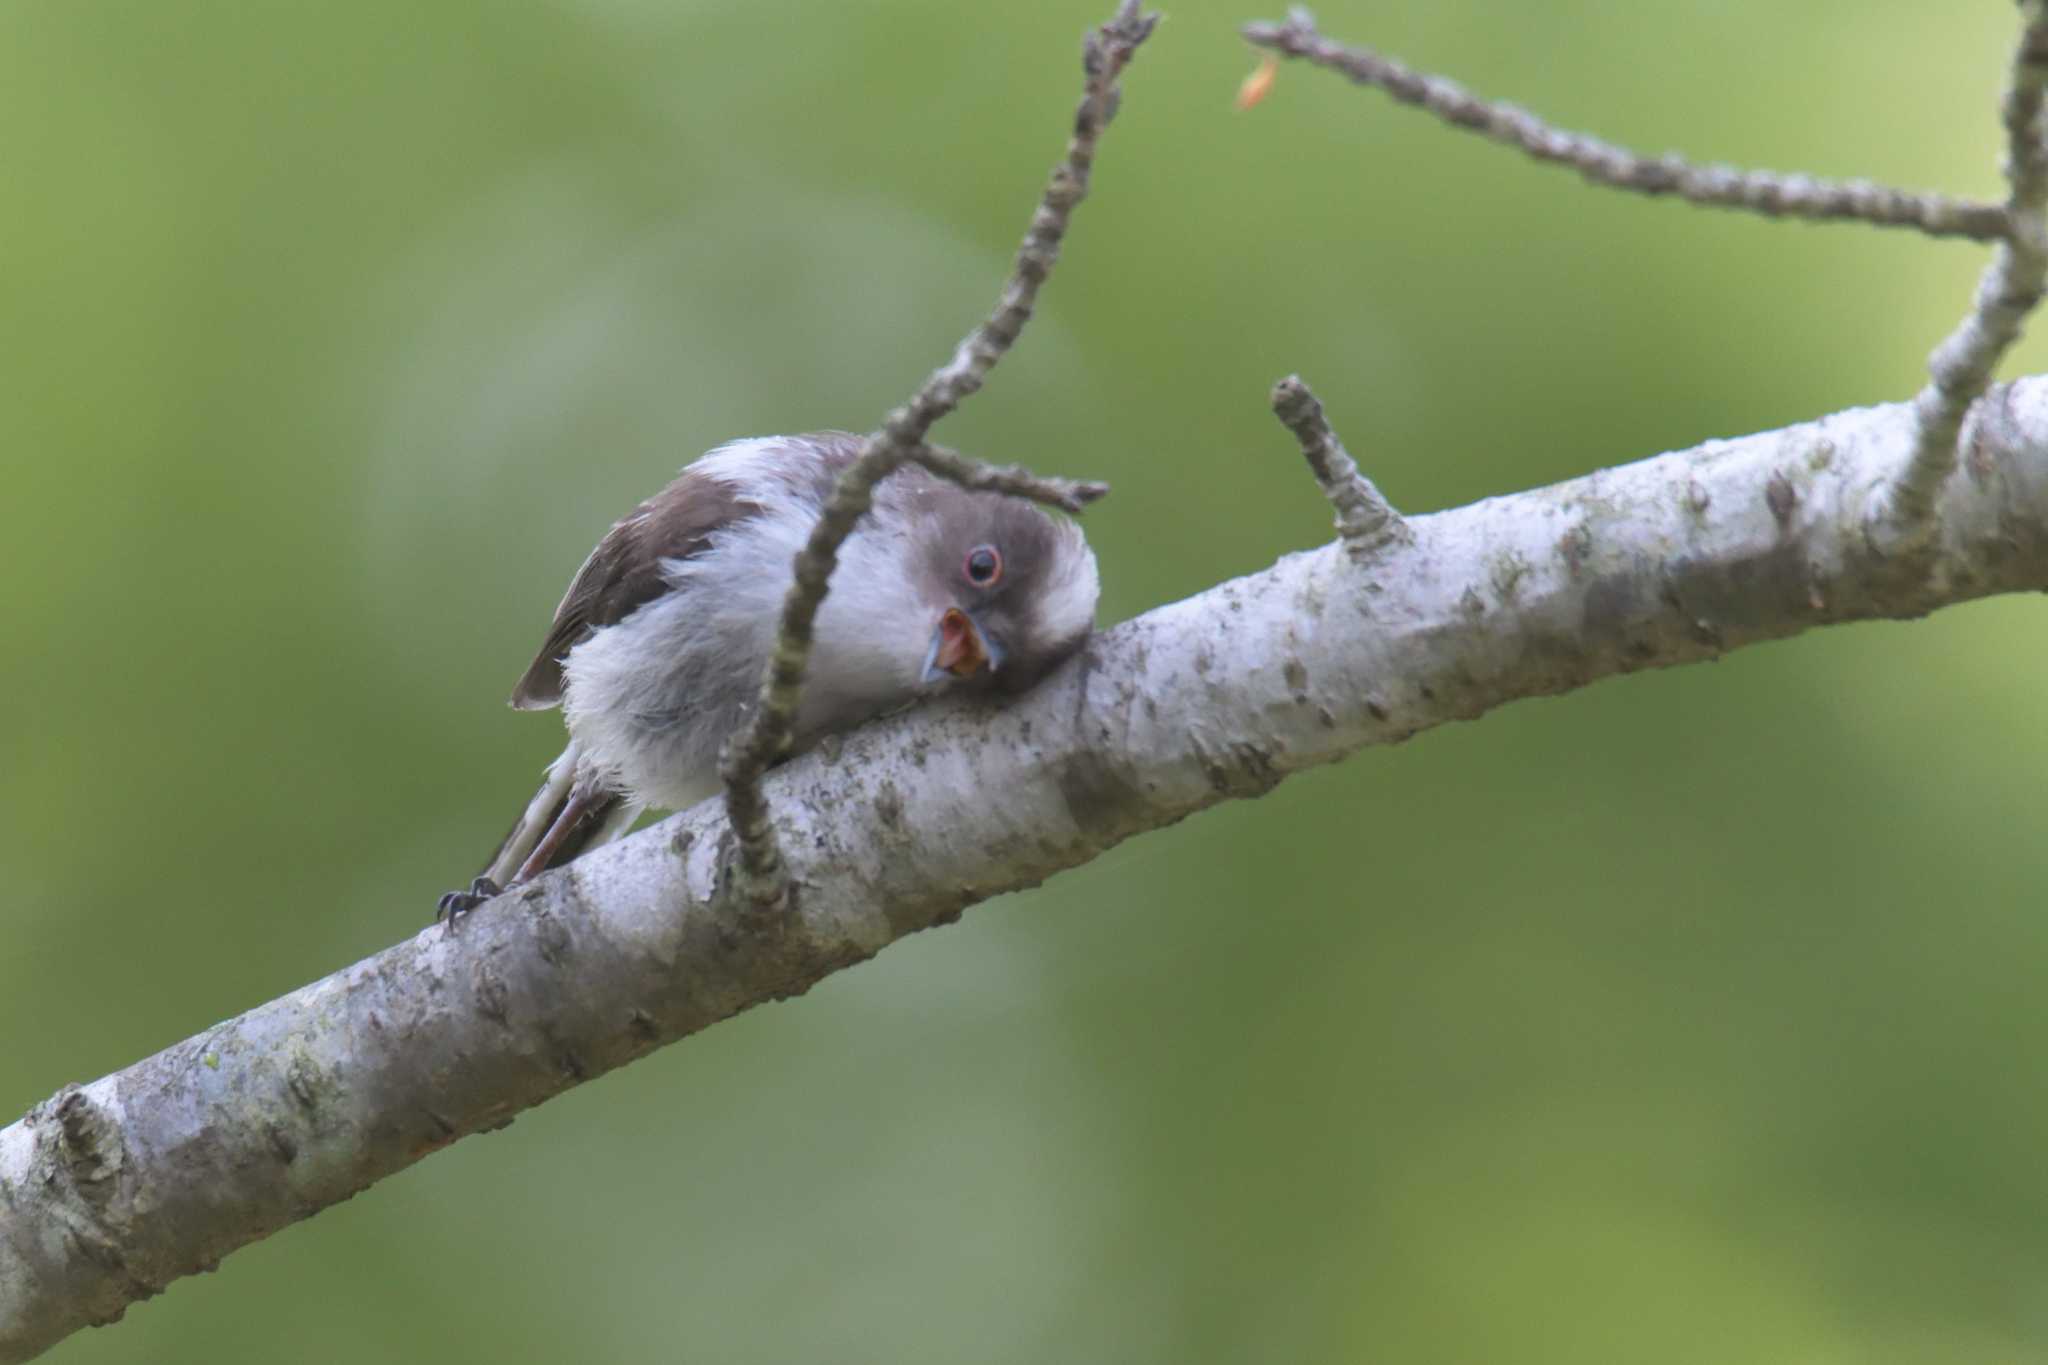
1694, 1017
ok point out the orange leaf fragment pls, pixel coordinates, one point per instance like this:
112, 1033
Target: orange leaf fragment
1259, 84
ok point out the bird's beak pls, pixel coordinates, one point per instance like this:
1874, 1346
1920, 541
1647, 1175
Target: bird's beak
960, 647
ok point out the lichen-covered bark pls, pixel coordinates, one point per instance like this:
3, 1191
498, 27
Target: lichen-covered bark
110, 1191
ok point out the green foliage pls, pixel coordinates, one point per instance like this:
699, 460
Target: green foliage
1692, 1017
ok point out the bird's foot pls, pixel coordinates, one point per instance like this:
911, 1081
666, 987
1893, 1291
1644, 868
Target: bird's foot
458, 903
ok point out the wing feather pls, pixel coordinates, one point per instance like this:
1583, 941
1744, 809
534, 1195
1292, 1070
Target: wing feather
624, 572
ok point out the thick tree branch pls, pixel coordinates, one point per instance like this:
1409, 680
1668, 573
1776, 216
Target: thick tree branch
760, 871
110, 1191
1771, 193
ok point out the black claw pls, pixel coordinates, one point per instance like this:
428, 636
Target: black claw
457, 903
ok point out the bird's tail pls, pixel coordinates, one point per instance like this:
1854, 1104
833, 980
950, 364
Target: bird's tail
566, 817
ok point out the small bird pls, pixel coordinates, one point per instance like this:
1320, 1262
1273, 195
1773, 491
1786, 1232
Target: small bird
657, 650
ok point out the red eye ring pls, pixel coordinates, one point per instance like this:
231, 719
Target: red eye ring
983, 566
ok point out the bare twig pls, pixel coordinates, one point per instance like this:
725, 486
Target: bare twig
1960, 368
760, 874
1366, 520
1770, 193
1069, 495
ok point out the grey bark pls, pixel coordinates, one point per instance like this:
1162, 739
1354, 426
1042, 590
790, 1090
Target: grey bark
110, 1191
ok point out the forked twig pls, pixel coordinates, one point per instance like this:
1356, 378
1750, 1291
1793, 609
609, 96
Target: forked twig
760, 874
1960, 369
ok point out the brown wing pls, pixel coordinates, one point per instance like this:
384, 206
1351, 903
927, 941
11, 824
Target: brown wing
623, 573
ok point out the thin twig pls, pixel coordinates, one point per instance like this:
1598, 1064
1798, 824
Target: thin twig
761, 875
1366, 520
1770, 193
1960, 369
1069, 495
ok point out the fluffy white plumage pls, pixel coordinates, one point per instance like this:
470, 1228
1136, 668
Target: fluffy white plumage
651, 697
653, 702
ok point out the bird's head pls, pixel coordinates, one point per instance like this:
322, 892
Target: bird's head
1011, 590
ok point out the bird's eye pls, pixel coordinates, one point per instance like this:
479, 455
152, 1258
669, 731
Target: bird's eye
984, 565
